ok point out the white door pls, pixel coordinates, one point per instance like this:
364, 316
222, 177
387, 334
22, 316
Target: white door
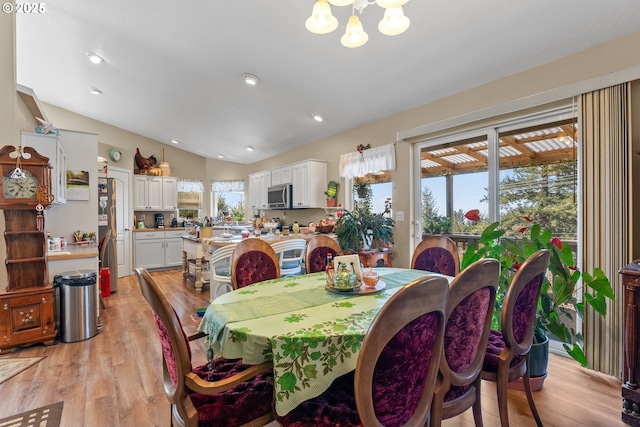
122, 179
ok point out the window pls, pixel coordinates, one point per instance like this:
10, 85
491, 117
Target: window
228, 199
506, 173
190, 199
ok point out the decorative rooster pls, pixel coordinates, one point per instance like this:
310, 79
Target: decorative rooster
144, 163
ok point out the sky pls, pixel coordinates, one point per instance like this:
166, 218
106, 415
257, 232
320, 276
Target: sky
468, 190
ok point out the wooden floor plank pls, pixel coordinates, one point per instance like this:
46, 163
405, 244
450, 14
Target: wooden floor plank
115, 378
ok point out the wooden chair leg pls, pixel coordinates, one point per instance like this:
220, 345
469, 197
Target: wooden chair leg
477, 406
526, 379
501, 386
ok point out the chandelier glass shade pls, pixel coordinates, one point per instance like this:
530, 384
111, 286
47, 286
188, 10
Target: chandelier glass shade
322, 21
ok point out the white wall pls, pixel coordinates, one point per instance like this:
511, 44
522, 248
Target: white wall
82, 154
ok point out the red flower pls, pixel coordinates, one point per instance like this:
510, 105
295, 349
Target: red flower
523, 229
517, 266
473, 215
527, 218
574, 268
555, 241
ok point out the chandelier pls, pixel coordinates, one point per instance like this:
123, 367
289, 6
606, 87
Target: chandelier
322, 21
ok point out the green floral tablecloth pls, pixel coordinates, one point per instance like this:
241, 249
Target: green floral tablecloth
312, 335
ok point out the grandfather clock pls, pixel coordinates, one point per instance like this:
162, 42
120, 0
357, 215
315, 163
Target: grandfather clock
26, 300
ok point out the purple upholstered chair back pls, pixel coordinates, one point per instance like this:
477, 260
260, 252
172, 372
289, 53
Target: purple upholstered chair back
437, 254
253, 261
401, 372
317, 250
526, 303
398, 362
470, 305
254, 267
167, 347
318, 259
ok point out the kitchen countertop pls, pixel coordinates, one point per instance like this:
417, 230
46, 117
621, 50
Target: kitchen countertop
72, 251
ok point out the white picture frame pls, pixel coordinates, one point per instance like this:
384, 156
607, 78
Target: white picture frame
349, 259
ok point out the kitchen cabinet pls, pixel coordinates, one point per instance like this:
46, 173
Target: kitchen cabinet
309, 183
169, 193
51, 147
147, 192
258, 185
281, 176
158, 249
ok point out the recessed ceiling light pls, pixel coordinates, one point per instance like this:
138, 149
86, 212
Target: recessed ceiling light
94, 90
95, 58
220, 156
250, 79
317, 117
174, 141
249, 148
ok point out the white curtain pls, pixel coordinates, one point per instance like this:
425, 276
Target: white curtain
236, 186
373, 160
190, 186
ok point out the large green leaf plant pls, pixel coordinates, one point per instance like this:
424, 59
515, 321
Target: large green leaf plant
563, 283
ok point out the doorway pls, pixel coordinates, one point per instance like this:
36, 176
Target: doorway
122, 179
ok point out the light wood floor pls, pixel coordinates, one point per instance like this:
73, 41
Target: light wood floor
114, 378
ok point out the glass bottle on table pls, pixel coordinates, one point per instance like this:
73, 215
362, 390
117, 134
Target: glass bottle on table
295, 228
329, 269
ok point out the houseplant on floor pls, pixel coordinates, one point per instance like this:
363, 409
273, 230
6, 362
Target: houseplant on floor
558, 297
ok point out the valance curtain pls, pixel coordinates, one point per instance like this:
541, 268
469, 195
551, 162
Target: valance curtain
190, 194
189, 186
605, 164
236, 186
373, 160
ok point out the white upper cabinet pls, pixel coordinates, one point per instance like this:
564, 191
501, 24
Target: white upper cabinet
281, 176
51, 147
309, 179
258, 185
148, 192
169, 193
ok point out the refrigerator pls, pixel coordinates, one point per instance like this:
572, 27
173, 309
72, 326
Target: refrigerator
107, 222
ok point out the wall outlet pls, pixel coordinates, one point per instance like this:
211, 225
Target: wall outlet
400, 216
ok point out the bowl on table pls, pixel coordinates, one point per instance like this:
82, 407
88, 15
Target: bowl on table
324, 229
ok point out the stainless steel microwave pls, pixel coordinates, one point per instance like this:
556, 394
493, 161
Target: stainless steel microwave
279, 196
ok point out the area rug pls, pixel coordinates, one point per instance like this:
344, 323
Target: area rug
12, 366
46, 416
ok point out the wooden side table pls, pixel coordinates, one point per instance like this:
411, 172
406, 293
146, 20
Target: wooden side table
631, 371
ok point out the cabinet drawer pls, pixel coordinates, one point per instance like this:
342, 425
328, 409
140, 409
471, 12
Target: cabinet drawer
174, 233
146, 235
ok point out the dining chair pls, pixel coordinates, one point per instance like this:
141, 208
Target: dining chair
222, 392
437, 254
253, 260
507, 355
290, 255
317, 249
470, 305
396, 369
220, 268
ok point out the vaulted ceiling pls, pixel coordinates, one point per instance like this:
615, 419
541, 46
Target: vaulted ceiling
173, 70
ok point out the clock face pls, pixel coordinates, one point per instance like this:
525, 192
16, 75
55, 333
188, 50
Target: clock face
20, 188
115, 155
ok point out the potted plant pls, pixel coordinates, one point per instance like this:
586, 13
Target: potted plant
364, 232
332, 193
558, 295
437, 225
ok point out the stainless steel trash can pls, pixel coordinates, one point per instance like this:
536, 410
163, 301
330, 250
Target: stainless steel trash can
78, 304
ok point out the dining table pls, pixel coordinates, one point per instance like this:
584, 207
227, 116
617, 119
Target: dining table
310, 331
